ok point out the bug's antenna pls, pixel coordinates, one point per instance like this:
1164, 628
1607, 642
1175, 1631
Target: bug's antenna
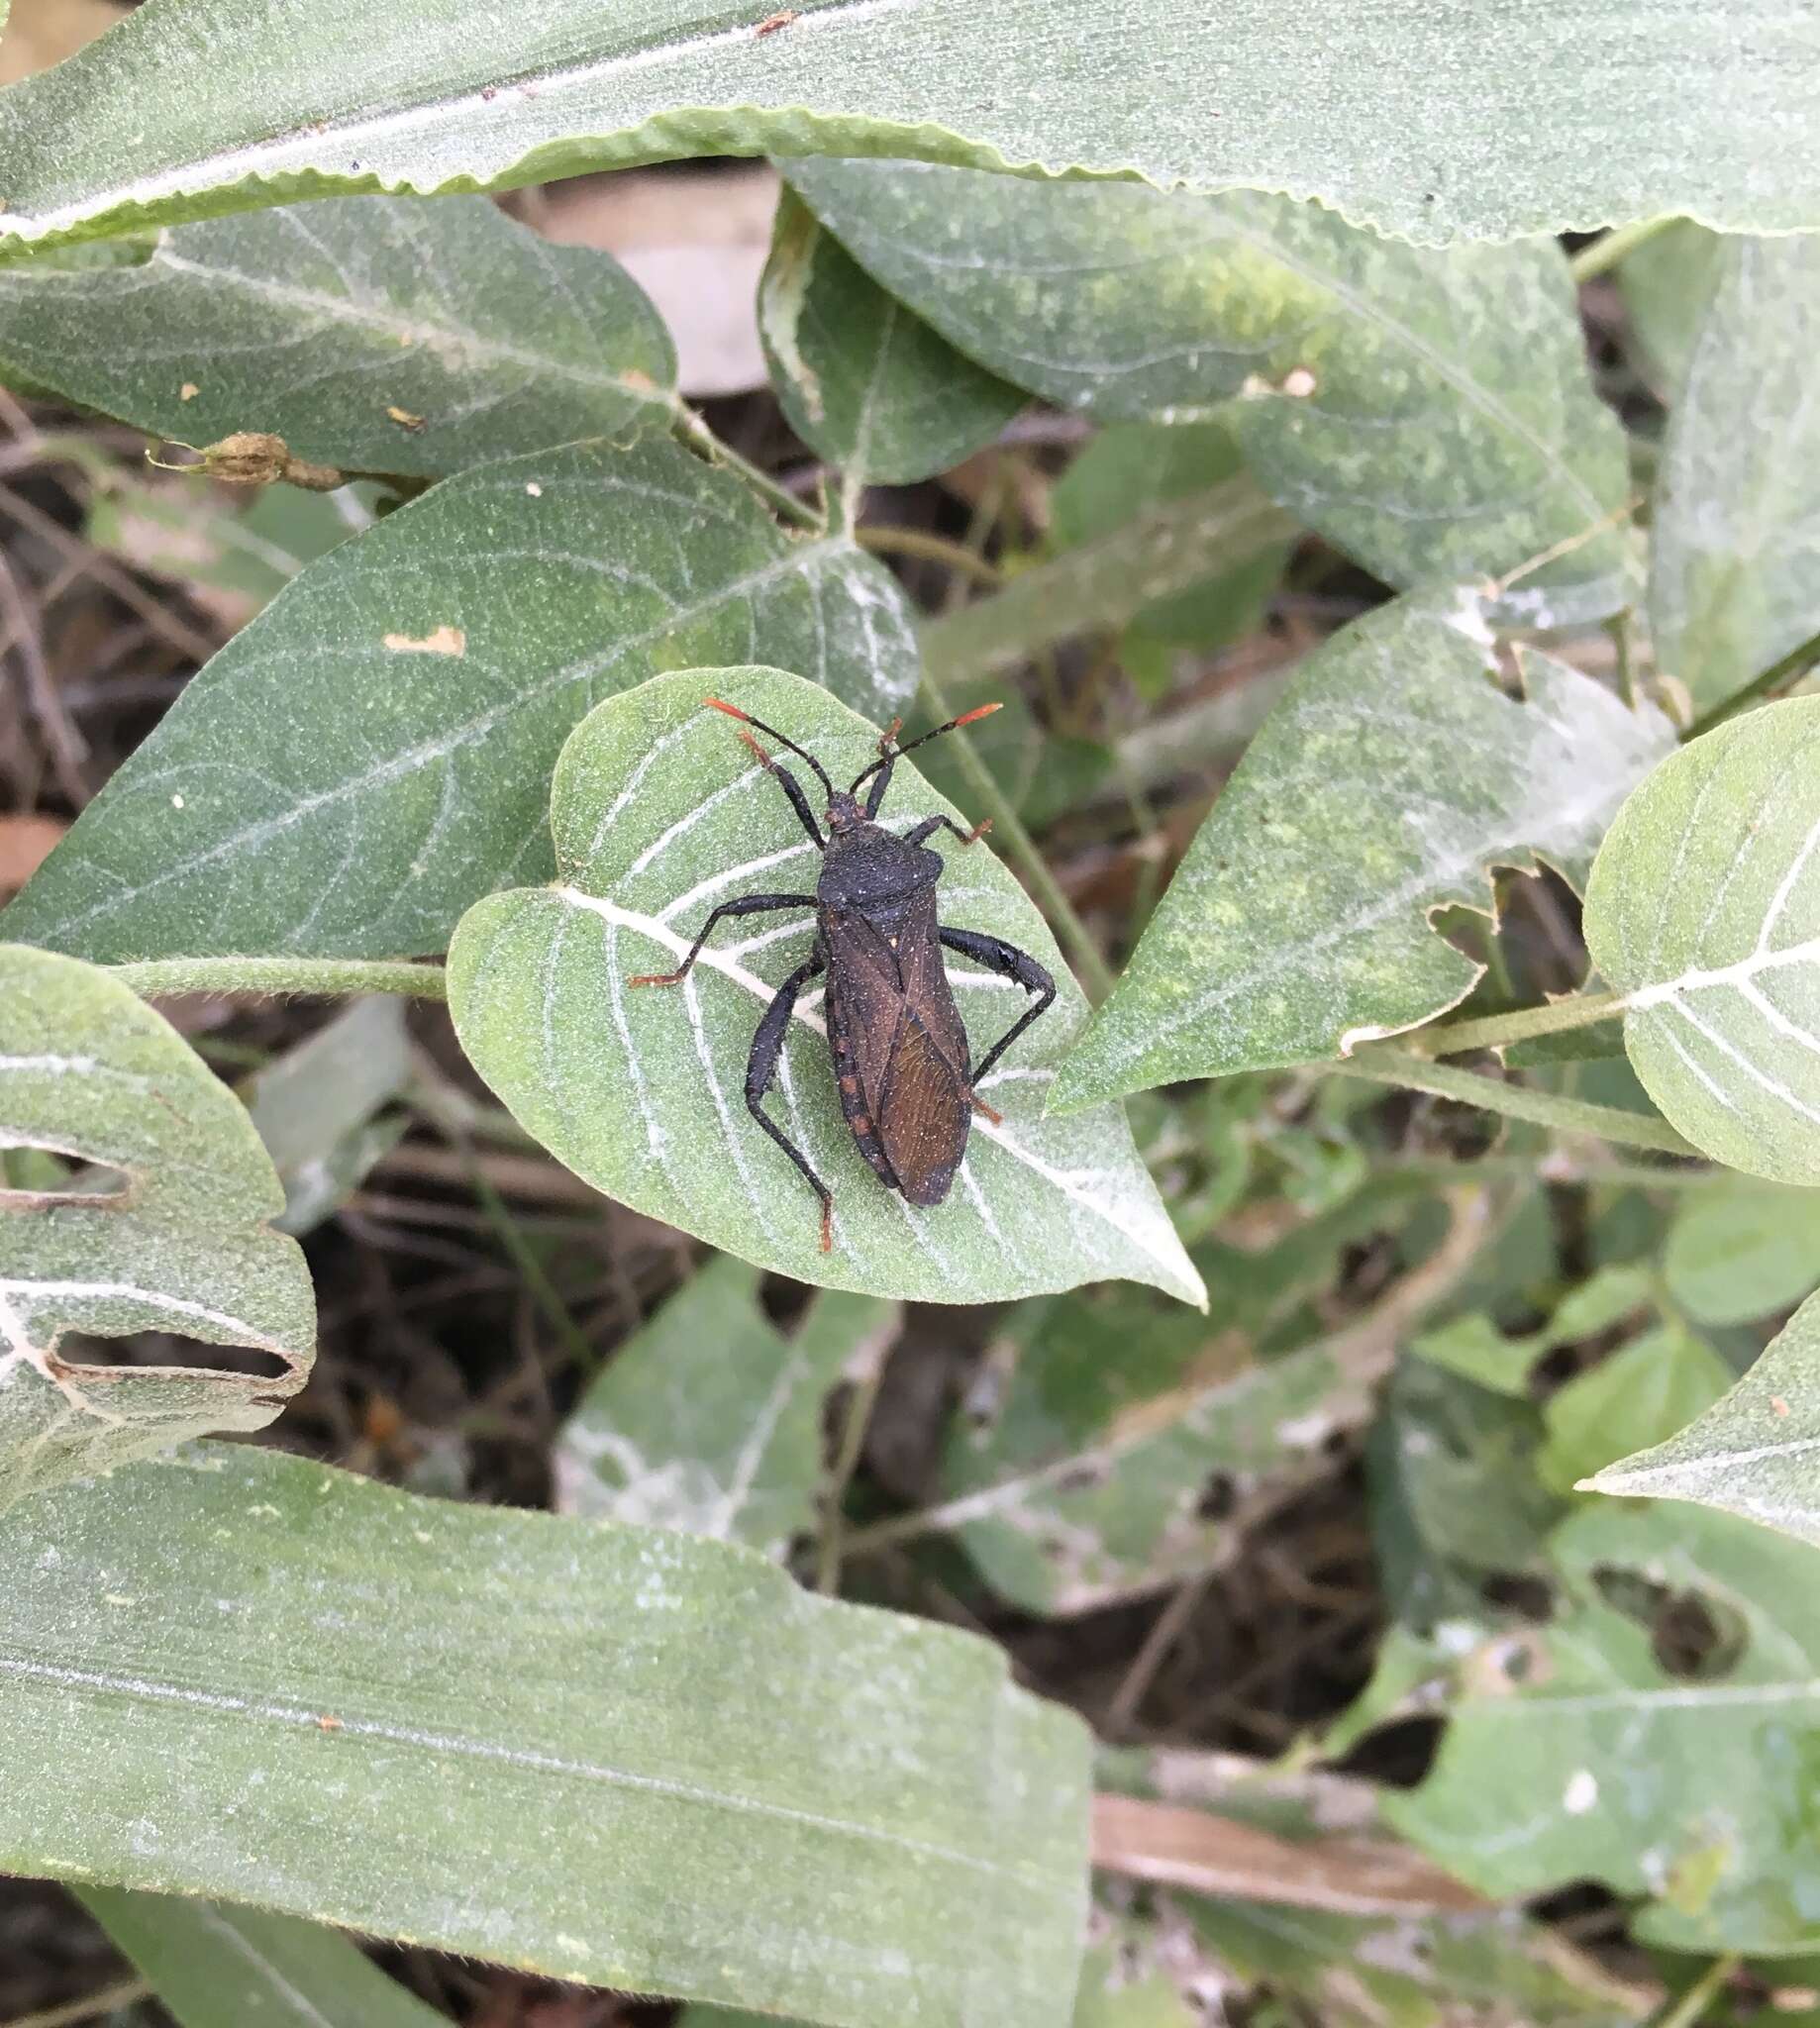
922, 739
746, 717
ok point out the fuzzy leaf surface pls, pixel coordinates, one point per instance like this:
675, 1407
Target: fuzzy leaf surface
1705, 910
709, 1419
328, 323
861, 377
619, 1755
177, 1239
1537, 122
1389, 778
658, 813
1735, 565
372, 753
1756, 1453
1431, 413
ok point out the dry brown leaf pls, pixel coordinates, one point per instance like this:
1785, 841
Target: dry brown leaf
1209, 1855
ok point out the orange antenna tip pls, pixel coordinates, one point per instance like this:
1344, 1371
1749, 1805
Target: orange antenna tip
978, 711
732, 709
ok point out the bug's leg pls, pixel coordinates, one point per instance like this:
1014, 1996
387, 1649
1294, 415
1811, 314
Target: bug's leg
874, 796
747, 904
791, 788
928, 827
762, 1068
1010, 962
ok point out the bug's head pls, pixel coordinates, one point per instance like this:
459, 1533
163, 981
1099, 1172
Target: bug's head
844, 812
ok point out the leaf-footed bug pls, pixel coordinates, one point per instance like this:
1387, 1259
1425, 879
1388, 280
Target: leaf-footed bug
899, 1048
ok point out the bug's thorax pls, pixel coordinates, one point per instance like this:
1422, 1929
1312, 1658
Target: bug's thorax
870, 869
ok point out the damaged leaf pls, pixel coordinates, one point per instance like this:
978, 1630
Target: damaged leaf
159, 1221
1388, 780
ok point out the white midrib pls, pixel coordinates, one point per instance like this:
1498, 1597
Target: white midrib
1695, 979
731, 968
480, 107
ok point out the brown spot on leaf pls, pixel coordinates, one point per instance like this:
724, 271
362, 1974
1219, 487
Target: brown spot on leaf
443, 640
405, 419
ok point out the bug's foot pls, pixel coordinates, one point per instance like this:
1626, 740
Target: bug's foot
658, 978
828, 1226
979, 831
888, 737
763, 758
985, 1111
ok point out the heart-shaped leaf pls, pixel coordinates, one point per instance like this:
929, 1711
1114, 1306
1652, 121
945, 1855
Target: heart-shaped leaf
658, 814
1737, 513
616, 1754
1551, 118
175, 1239
1704, 911
372, 753
1391, 775
1429, 412
1756, 1453
378, 337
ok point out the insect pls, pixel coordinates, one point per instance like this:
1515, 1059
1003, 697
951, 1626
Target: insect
899, 1047
773, 21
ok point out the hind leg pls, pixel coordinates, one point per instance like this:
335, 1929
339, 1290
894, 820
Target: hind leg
1009, 963
761, 1069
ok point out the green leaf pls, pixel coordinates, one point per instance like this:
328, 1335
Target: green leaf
1667, 283
1573, 1752
613, 1755
1705, 910
1101, 583
168, 1232
1751, 1454
1733, 587
1474, 1347
1430, 413
862, 379
1108, 1447
372, 753
1740, 1250
1423, 1971
1653, 1387
214, 1965
640, 1091
328, 324
1388, 780
1122, 1985
1133, 468
710, 1420
316, 1107
1560, 122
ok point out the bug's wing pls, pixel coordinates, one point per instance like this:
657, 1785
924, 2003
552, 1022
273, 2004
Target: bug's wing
924, 1111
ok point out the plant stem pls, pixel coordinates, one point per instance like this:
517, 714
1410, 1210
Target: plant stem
324, 978
1796, 663
695, 433
860, 1405
106, 1999
931, 549
1020, 847
1604, 253
1379, 1066
1495, 1031
1687, 2011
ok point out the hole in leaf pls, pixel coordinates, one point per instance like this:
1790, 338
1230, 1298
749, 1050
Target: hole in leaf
1521, 1592
167, 1348
1692, 1635
1218, 1497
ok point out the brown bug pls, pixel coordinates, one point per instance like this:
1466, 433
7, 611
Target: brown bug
899, 1047
773, 21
